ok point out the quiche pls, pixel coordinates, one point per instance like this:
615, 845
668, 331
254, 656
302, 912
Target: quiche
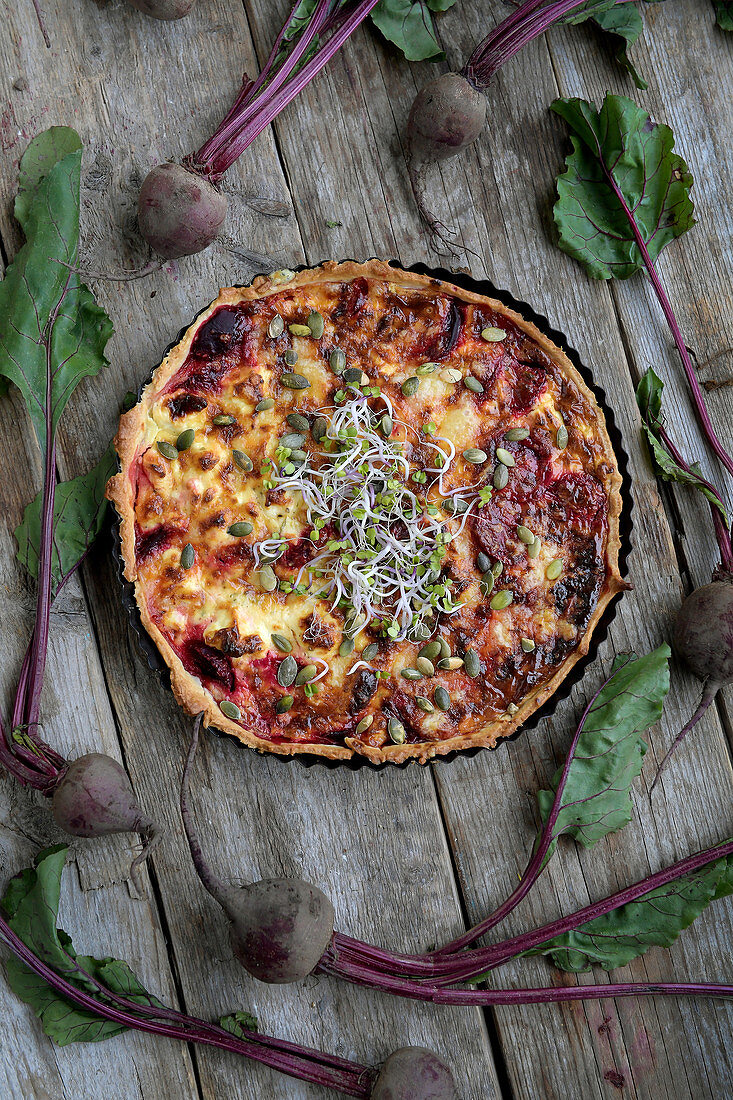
366, 511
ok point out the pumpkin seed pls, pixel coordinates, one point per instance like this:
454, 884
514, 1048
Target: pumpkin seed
239, 530
352, 375
444, 647
420, 632
386, 425
534, 548
298, 456
492, 335
229, 709
455, 506
442, 698
297, 422
410, 674
430, 651
525, 535
487, 583
166, 449
265, 404
424, 704
291, 357
473, 384
425, 666
284, 704
450, 374
410, 385
475, 455
276, 327
267, 580
287, 671
505, 457
370, 651
497, 568
188, 556
292, 440
501, 476
242, 460
294, 381
364, 725
483, 562
185, 439
450, 664
299, 330
471, 662
346, 648
223, 420
396, 731
305, 675
319, 429
515, 434
561, 438
554, 569
425, 368
512, 708
527, 645
315, 324
337, 361
501, 600
281, 643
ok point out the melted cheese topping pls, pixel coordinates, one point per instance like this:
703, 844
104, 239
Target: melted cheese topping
201, 583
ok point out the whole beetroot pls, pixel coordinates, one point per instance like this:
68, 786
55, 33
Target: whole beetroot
94, 797
164, 9
178, 211
414, 1073
279, 927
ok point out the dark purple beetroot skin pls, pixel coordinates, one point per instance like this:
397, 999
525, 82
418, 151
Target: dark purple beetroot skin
703, 633
414, 1073
447, 115
280, 928
164, 9
179, 212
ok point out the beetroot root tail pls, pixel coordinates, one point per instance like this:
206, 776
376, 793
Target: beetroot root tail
711, 690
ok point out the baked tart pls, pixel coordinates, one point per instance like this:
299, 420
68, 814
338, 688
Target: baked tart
366, 511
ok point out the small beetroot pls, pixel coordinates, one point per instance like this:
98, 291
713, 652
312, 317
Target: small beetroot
414, 1073
94, 797
279, 928
178, 211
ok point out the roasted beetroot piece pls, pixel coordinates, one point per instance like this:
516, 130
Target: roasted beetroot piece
414, 1073
279, 928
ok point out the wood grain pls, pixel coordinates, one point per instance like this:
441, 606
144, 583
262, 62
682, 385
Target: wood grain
400, 852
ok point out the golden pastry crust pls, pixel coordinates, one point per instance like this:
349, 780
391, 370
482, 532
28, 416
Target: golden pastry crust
388, 322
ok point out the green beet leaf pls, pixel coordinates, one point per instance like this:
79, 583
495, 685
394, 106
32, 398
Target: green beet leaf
239, 1024
79, 511
51, 328
30, 904
624, 23
620, 159
649, 399
653, 920
724, 14
596, 798
409, 25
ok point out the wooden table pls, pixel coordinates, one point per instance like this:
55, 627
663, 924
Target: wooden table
408, 856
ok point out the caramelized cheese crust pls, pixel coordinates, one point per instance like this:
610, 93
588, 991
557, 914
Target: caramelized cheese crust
213, 620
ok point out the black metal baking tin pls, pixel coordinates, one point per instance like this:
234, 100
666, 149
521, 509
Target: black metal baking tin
477, 286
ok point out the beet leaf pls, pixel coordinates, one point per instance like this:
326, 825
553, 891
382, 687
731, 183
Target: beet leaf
79, 510
409, 25
623, 21
609, 753
653, 920
724, 14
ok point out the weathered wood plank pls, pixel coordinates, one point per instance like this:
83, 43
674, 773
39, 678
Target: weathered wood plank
360, 836
499, 196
